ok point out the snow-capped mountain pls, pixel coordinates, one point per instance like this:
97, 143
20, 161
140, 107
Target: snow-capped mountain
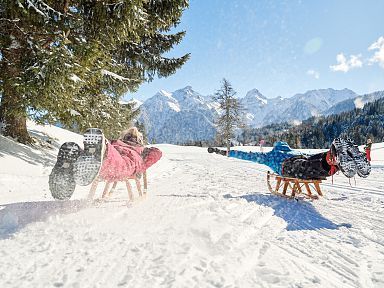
357, 102
262, 111
178, 117
186, 115
136, 103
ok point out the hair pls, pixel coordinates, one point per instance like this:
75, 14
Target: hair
132, 132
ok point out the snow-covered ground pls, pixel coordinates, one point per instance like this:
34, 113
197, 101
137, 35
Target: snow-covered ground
208, 221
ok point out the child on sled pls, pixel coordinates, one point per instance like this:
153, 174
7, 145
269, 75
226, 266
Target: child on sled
343, 155
111, 160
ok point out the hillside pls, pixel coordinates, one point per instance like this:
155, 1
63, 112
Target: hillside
208, 221
186, 116
318, 132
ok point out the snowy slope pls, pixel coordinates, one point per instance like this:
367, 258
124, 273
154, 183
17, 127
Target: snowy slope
208, 221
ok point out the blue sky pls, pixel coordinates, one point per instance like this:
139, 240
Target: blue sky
279, 47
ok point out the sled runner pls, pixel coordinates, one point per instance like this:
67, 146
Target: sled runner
107, 193
292, 187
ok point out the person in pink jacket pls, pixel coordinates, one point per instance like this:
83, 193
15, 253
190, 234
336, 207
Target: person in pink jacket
111, 160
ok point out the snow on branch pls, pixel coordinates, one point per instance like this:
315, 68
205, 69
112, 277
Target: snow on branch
115, 76
75, 78
43, 9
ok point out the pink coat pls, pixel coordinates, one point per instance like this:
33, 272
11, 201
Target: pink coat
123, 160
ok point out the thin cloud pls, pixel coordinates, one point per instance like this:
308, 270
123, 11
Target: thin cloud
313, 73
378, 57
344, 64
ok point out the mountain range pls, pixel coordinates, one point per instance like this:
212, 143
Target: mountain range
186, 116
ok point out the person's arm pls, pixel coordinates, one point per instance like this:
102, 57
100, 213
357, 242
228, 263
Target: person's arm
257, 157
217, 151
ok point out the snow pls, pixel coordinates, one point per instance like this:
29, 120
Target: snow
208, 221
166, 93
42, 8
137, 103
249, 116
75, 78
174, 106
14, 44
359, 104
296, 122
114, 75
74, 113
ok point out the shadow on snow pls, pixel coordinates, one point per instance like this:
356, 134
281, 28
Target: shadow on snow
15, 216
32, 155
299, 215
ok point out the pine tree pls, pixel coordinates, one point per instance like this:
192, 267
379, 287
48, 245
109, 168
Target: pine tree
70, 61
319, 132
232, 113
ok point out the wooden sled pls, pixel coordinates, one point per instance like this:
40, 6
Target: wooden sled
293, 187
107, 193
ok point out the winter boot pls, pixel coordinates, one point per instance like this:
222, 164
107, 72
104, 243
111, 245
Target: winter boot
88, 165
217, 151
61, 181
362, 164
344, 157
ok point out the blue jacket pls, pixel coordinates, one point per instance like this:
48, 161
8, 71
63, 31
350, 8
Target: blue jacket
273, 159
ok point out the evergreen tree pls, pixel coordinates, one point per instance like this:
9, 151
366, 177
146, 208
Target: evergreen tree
232, 113
319, 132
70, 61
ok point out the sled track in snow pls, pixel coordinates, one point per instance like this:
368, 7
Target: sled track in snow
373, 181
355, 189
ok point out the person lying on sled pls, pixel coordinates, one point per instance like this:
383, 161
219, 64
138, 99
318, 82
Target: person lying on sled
343, 155
110, 160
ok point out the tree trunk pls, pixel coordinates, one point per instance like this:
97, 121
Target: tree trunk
12, 116
228, 140
12, 108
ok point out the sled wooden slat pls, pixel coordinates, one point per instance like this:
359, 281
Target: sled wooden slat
286, 184
308, 189
317, 185
278, 184
291, 187
108, 192
145, 181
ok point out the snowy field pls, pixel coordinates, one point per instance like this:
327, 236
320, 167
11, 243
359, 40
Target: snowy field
208, 221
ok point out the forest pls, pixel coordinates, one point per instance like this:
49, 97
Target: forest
318, 132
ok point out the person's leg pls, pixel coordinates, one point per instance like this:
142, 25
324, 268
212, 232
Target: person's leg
61, 181
368, 154
363, 167
303, 167
88, 165
270, 159
114, 166
344, 157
